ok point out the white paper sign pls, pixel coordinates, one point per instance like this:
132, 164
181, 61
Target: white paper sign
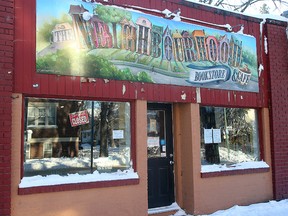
152, 125
217, 135
208, 136
118, 134
152, 141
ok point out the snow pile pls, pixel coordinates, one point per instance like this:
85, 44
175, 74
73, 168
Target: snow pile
230, 156
119, 158
233, 160
266, 44
262, 209
238, 166
56, 163
260, 69
49, 180
234, 156
173, 207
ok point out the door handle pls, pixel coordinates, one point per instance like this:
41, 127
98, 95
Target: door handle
171, 162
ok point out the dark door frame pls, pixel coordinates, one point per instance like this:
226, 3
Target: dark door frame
161, 169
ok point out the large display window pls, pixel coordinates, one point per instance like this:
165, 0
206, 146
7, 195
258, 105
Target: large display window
76, 136
229, 135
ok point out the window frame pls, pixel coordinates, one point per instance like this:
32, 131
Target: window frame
46, 106
260, 140
81, 185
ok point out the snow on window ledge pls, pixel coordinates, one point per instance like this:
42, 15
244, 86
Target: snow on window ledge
53, 180
234, 167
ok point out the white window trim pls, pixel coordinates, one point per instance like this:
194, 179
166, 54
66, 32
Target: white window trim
45, 105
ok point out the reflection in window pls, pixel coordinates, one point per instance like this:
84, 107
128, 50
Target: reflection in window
228, 135
41, 114
156, 134
86, 136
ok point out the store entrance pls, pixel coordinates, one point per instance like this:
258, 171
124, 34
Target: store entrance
160, 155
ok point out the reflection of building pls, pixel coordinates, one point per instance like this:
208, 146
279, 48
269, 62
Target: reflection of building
62, 32
45, 122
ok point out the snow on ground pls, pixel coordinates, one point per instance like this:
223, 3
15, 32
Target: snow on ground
272, 208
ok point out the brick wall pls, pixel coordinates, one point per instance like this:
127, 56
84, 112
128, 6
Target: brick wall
6, 74
278, 79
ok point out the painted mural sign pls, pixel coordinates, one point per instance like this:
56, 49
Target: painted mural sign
92, 40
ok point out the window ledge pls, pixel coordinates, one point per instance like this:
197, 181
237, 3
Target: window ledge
56, 183
236, 169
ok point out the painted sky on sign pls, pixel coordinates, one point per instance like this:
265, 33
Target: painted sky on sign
55, 8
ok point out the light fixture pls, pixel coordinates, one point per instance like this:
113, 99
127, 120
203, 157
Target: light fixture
175, 14
87, 16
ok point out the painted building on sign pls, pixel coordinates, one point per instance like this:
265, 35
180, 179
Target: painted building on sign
117, 109
132, 41
62, 32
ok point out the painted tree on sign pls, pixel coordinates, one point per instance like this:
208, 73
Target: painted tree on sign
112, 15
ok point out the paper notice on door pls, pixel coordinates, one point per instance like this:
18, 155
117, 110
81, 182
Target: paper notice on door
152, 125
216, 135
208, 136
118, 134
153, 141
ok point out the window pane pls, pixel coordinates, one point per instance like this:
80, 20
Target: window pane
88, 136
41, 114
51, 114
155, 133
228, 135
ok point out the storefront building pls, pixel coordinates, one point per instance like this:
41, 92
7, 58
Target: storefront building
120, 108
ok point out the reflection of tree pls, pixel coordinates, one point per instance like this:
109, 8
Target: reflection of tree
233, 122
240, 128
208, 121
68, 149
106, 127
